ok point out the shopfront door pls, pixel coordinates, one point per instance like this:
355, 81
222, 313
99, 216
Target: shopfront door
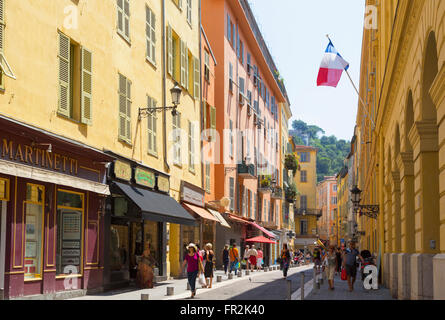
136, 247
119, 252
2, 246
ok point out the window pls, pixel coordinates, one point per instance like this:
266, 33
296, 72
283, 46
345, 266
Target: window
241, 85
334, 200
213, 122
231, 138
34, 215
303, 202
170, 52
123, 18
230, 77
5, 69
229, 29
304, 156
232, 193
152, 127
207, 177
255, 209
150, 33
206, 66
334, 188
241, 52
303, 176
184, 64
4, 189
244, 204
191, 141
124, 109
69, 232
189, 12
250, 204
249, 64
177, 139
75, 81
303, 227
178, 3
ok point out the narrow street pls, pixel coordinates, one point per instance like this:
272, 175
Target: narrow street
268, 286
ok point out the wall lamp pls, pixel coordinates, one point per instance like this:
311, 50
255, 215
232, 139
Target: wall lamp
371, 211
176, 92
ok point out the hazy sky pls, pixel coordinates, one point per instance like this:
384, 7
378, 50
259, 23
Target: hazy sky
295, 32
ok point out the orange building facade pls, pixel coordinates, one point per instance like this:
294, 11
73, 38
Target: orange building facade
327, 203
248, 99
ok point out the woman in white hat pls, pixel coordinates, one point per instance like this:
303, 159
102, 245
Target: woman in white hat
194, 266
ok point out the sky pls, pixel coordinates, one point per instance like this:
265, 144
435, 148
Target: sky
295, 32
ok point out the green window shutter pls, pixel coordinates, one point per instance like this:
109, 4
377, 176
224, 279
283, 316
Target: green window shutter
170, 50
154, 128
64, 75
128, 115
122, 107
204, 116
197, 80
87, 87
186, 68
183, 67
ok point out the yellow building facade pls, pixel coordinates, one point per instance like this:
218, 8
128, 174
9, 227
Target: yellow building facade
400, 146
306, 213
83, 69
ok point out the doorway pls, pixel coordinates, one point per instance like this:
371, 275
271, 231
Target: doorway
136, 247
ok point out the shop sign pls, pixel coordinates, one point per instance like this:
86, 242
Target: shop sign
191, 196
163, 184
122, 170
145, 177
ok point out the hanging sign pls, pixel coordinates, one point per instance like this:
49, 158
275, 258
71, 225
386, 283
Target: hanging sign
145, 177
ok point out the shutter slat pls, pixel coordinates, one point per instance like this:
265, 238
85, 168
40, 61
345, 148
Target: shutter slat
197, 80
170, 50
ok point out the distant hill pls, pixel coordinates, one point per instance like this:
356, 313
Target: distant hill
331, 151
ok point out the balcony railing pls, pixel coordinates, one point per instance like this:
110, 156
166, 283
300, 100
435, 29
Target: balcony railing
277, 193
308, 212
247, 171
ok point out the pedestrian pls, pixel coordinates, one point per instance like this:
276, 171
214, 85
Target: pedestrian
316, 258
208, 268
350, 264
234, 258
201, 257
253, 254
338, 254
285, 258
225, 258
331, 262
194, 267
246, 257
259, 260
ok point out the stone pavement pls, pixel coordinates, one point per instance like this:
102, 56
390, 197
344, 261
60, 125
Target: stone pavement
341, 292
159, 292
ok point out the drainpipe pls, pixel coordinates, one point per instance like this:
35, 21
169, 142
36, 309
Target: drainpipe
164, 99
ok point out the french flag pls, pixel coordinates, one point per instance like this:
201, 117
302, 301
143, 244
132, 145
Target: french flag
331, 68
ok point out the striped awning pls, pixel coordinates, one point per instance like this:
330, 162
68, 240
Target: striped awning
220, 218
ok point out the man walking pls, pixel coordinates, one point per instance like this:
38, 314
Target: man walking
234, 257
350, 264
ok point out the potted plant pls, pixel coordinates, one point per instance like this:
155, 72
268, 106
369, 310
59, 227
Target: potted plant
291, 163
266, 181
291, 193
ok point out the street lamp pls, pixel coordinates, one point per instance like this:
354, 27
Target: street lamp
176, 92
371, 211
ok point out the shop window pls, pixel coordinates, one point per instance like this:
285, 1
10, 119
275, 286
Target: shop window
34, 213
190, 234
119, 248
4, 189
151, 238
69, 232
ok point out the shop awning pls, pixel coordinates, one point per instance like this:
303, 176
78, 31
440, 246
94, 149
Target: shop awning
268, 233
156, 206
203, 213
237, 219
261, 239
220, 218
28, 172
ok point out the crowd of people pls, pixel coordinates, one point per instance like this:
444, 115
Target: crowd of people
332, 260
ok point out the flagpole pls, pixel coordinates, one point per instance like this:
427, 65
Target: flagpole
356, 90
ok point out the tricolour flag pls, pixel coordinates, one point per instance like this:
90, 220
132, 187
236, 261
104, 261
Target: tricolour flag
331, 67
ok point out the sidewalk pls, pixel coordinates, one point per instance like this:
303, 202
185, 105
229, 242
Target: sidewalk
341, 292
159, 292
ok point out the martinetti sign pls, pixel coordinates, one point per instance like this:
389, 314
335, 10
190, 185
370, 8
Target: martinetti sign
37, 157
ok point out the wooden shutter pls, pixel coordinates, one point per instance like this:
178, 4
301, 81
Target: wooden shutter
213, 118
197, 79
182, 62
170, 50
154, 128
186, 67
127, 18
87, 87
128, 126
124, 109
204, 116
120, 15
64, 75
191, 146
180, 4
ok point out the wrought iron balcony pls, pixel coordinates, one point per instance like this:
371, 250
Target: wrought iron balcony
247, 171
277, 193
308, 212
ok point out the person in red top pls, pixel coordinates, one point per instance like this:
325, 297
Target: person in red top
194, 266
